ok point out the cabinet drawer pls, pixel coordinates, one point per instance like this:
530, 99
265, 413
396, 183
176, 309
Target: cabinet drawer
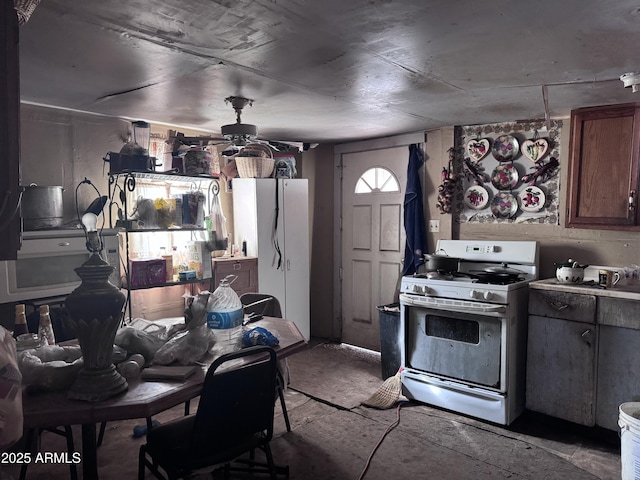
619, 312
563, 305
245, 269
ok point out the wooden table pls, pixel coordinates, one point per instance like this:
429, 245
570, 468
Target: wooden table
143, 399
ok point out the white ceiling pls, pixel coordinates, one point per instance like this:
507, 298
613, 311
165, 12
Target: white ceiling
330, 70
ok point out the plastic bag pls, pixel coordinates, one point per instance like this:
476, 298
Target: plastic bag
135, 340
186, 347
51, 367
10, 392
196, 315
218, 224
259, 336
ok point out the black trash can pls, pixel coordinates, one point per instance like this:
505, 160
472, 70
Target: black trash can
390, 340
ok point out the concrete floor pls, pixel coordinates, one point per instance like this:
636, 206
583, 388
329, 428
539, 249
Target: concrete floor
334, 437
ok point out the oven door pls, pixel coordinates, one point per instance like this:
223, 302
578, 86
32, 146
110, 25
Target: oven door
453, 339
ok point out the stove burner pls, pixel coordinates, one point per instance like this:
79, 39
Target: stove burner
440, 275
499, 280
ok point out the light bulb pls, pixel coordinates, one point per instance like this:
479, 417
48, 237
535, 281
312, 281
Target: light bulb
90, 222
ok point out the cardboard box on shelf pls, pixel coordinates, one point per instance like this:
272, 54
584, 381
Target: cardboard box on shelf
199, 258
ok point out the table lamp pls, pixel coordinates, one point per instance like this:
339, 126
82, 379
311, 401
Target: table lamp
96, 309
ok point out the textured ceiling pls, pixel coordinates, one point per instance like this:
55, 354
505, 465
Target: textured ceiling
330, 70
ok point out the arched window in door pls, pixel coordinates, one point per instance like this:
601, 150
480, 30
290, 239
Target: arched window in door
377, 180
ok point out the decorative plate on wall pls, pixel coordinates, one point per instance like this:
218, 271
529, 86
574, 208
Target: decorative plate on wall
535, 150
477, 149
504, 177
504, 205
532, 199
476, 197
505, 148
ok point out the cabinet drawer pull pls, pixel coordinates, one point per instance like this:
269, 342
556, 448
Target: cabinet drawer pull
237, 266
558, 305
586, 336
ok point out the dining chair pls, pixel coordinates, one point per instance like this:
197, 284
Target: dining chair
268, 305
31, 435
261, 304
234, 418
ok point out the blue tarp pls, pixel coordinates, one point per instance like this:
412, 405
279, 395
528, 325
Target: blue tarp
414, 223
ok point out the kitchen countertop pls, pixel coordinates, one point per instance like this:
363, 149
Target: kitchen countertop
629, 292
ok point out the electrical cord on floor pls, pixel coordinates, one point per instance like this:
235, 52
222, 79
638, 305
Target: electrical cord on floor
386, 432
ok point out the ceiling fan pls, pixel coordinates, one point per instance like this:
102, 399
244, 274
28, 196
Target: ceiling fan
236, 136
239, 133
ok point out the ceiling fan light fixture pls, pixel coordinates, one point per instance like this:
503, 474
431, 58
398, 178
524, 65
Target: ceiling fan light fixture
239, 133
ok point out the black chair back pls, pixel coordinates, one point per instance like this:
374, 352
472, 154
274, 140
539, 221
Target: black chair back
261, 304
236, 401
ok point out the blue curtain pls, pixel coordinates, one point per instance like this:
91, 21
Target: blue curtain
414, 223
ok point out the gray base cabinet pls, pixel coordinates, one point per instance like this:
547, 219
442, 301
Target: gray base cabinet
583, 353
564, 392
561, 356
618, 358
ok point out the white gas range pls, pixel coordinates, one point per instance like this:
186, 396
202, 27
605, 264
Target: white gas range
464, 332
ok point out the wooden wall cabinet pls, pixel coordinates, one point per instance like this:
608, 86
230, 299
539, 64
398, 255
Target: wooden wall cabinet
603, 168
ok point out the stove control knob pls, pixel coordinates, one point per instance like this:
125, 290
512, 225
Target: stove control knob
487, 295
417, 289
474, 294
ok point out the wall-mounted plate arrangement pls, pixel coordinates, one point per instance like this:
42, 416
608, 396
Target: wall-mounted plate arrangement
505, 148
476, 197
504, 205
505, 177
518, 181
532, 199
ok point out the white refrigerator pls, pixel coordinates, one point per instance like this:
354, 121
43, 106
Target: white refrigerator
272, 216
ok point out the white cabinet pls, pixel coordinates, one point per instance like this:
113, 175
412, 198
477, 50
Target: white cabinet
272, 216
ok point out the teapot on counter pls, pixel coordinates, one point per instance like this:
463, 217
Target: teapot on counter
570, 271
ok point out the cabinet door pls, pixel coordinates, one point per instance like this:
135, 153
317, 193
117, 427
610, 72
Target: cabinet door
9, 131
245, 270
618, 373
561, 369
603, 167
296, 253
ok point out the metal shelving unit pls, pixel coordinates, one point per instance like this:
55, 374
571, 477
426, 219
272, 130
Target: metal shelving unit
126, 182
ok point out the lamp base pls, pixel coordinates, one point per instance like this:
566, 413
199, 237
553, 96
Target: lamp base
97, 385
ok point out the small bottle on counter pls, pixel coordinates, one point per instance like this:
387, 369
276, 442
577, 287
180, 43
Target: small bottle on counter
45, 329
20, 326
244, 248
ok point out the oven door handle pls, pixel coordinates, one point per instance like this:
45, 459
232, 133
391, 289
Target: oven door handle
451, 305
